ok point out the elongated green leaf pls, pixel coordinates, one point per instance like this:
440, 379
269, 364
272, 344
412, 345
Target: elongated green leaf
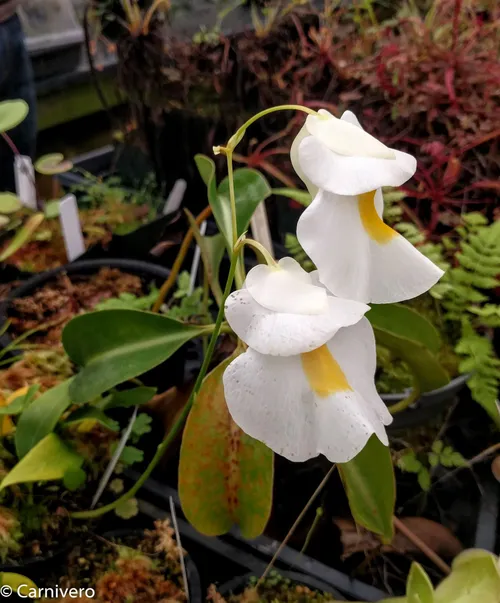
215, 246
475, 578
52, 164
49, 460
113, 346
302, 197
88, 415
225, 476
419, 587
22, 236
411, 338
250, 189
131, 397
405, 322
12, 113
371, 490
41, 417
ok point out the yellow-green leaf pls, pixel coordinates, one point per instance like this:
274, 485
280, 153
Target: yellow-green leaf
225, 476
9, 203
12, 113
22, 236
53, 164
371, 490
49, 460
419, 587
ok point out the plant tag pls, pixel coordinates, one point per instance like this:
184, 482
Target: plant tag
175, 198
24, 174
196, 259
71, 227
260, 228
114, 460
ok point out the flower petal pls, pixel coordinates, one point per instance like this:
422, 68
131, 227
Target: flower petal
287, 288
351, 263
271, 399
345, 138
294, 158
345, 175
351, 118
285, 334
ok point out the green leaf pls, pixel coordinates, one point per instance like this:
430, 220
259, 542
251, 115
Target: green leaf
41, 417
51, 209
141, 426
225, 476
424, 479
411, 338
15, 581
12, 113
9, 203
437, 446
250, 189
52, 164
130, 397
409, 462
74, 478
406, 323
475, 578
302, 197
22, 235
370, 486
113, 346
92, 415
433, 459
127, 509
130, 455
49, 460
419, 587
215, 247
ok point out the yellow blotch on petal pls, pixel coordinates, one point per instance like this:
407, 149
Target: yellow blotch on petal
372, 222
323, 372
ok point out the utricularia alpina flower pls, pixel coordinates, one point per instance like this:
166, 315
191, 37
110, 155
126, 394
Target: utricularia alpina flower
305, 385
358, 256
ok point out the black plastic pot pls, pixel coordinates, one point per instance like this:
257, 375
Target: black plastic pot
36, 567
238, 585
164, 376
427, 406
193, 577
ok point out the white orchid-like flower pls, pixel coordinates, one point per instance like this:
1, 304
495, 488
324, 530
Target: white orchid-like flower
305, 385
358, 256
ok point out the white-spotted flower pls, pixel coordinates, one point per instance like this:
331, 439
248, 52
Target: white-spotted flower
305, 386
358, 256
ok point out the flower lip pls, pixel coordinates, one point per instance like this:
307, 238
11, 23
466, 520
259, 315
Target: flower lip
287, 288
343, 137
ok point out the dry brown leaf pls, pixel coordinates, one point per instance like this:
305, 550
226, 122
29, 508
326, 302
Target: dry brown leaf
437, 537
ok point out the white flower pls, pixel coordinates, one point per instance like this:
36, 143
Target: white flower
358, 256
306, 385
338, 156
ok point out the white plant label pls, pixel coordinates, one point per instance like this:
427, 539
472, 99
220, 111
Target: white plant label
196, 259
24, 173
260, 228
175, 198
71, 227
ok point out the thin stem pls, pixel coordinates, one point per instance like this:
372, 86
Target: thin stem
232, 197
296, 524
412, 397
312, 529
185, 411
10, 142
420, 544
236, 138
168, 284
261, 252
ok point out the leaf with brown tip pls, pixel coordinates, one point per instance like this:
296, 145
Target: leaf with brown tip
225, 476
